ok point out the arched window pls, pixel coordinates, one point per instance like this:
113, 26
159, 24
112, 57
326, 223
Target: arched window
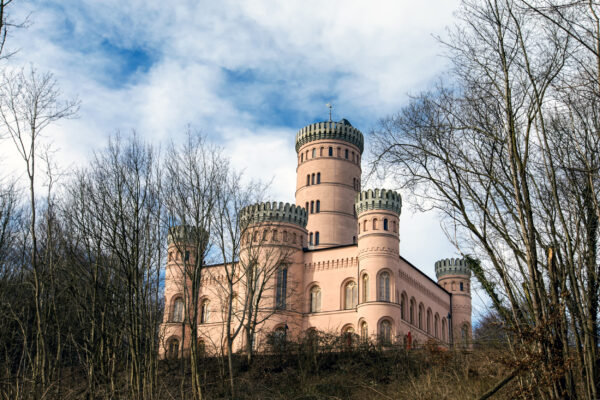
384, 286
314, 153
403, 306
316, 238
364, 330
285, 236
294, 238
308, 180
321, 152
275, 237
281, 294
318, 177
374, 223
177, 315
306, 207
421, 312
346, 154
412, 311
464, 334
339, 152
394, 225
318, 206
365, 226
385, 332
173, 348
444, 329
385, 224
310, 240
348, 333
302, 157
312, 207
352, 156
330, 151
204, 312
315, 299
350, 295
461, 287
436, 326
365, 285
429, 320
312, 179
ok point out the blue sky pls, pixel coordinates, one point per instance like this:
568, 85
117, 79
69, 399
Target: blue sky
247, 74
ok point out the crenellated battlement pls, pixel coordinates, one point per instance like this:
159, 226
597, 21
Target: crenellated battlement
341, 130
274, 212
378, 199
183, 234
452, 266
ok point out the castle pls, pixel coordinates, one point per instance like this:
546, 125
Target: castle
340, 269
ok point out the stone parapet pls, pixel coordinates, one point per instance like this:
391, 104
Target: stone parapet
452, 266
341, 130
274, 212
183, 234
378, 199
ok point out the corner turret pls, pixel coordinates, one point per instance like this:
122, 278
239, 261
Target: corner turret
454, 275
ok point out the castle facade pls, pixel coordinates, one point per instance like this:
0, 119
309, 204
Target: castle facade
339, 268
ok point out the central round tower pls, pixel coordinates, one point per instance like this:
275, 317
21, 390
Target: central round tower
328, 178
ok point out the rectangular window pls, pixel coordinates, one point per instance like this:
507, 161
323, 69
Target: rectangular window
346, 154
312, 207
307, 180
318, 178
313, 179
331, 152
317, 239
318, 206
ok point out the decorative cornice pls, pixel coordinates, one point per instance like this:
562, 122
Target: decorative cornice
378, 199
349, 262
330, 130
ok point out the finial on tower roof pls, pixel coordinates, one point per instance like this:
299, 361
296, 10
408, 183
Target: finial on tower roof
330, 107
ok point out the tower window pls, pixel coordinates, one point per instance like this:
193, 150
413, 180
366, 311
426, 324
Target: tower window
374, 223
306, 206
302, 157
310, 240
365, 226
187, 256
321, 152
461, 287
316, 238
353, 239
314, 153
339, 151
352, 156
318, 177
350, 295
312, 207
204, 312
281, 288
385, 224
177, 314
307, 179
319, 207
330, 151
384, 287
346, 154
313, 179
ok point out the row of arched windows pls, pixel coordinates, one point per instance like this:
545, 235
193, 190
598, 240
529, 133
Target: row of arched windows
376, 224
314, 206
176, 255
313, 179
275, 236
453, 285
421, 318
348, 154
177, 310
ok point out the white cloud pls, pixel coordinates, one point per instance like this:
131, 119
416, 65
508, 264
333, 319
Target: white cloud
365, 56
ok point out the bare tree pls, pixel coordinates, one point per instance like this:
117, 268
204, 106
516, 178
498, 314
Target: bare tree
512, 167
29, 102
